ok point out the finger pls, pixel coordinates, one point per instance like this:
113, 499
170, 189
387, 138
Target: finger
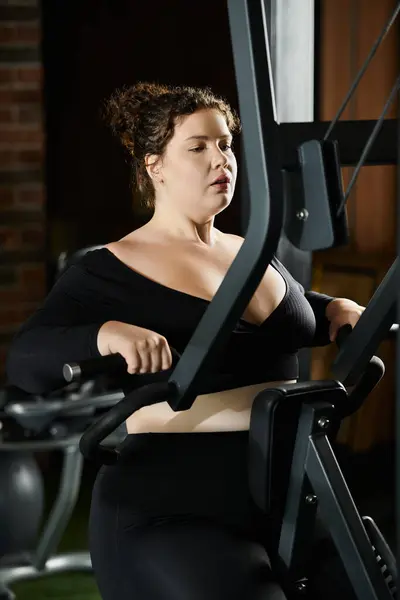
333, 329
353, 319
145, 360
166, 357
154, 345
134, 363
156, 360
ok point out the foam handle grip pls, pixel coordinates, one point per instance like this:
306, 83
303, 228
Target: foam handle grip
343, 334
112, 364
87, 369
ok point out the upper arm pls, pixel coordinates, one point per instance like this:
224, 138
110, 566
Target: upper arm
63, 329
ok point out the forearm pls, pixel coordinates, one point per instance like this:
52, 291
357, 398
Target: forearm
319, 303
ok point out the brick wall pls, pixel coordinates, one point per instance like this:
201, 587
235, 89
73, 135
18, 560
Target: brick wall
22, 192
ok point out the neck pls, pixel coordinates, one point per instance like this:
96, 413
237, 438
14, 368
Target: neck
180, 227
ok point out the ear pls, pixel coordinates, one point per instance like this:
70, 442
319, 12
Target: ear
153, 165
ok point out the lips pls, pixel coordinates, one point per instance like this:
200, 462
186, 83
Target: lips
221, 180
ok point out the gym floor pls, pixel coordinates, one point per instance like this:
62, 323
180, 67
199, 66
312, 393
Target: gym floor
370, 478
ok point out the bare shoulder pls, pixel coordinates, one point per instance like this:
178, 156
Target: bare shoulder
233, 241
124, 246
119, 249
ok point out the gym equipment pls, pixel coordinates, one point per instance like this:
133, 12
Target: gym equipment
293, 472
21, 502
314, 219
297, 419
66, 259
375, 325
67, 418
31, 424
41, 425
290, 425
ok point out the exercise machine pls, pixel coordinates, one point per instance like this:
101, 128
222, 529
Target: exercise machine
52, 425
299, 416
291, 426
34, 424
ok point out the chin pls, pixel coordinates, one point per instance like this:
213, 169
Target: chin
224, 201
212, 209
221, 207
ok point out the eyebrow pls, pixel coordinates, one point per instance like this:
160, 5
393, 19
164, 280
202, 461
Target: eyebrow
206, 137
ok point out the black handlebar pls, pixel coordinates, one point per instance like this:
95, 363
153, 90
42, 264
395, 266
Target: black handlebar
151, 388
372, 375
86, 369
112, 364
90, 442
158, 388
342, 335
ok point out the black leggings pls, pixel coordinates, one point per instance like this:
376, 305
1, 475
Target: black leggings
174, 520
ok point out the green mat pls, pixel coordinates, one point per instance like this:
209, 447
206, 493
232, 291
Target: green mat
59, 587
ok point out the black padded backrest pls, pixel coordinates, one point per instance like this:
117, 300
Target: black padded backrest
273, 429
66, 259
298, 262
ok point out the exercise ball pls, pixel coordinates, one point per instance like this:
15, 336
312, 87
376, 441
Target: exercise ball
21, 502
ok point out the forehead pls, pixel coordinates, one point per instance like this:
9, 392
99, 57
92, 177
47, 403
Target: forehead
206, 122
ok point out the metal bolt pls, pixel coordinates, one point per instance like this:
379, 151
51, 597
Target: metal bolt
301, 586
323, 422
302, 214
311, 499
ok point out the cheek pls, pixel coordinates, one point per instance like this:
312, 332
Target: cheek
182, 177
188, 181
190, 170
233, 164
234, 173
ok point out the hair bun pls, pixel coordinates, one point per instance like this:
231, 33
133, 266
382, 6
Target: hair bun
123, 109
144, 92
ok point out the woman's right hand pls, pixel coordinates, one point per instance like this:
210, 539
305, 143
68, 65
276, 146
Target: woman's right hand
144, 351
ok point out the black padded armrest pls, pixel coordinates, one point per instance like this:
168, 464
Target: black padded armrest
273, 428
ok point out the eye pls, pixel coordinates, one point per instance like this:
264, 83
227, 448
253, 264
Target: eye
197, 149
226, 147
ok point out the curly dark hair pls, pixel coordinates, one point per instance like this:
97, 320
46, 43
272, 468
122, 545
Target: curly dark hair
144, 115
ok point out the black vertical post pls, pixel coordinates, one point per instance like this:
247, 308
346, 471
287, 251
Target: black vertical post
249, 37
398, 355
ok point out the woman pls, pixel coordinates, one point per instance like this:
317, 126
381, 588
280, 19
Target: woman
174, 519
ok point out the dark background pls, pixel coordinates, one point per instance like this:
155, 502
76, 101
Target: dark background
92, 47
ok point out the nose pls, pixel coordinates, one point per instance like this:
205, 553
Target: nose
219, 158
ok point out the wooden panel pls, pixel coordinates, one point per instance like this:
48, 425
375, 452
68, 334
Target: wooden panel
336, 69
373, 226
373, 423
348, 31
374, 223
381, 75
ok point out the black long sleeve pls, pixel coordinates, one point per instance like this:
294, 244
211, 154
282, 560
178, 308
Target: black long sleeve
318, 303
101, 288
63, 329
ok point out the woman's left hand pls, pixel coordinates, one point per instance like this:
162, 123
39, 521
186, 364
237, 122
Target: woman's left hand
342, 311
